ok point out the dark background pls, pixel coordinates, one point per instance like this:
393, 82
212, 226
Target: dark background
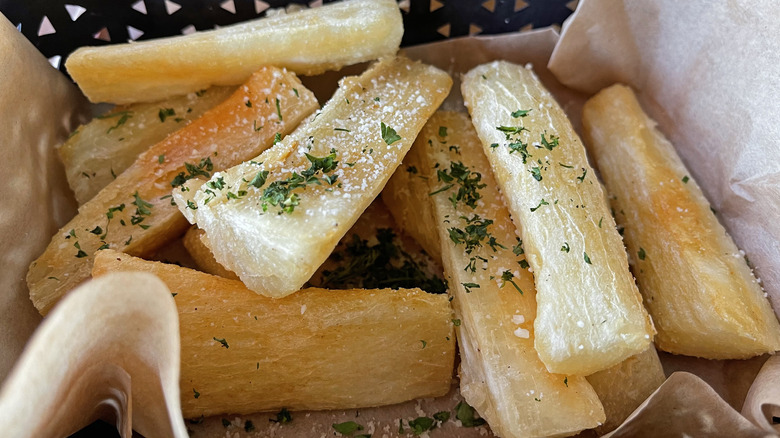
101, 22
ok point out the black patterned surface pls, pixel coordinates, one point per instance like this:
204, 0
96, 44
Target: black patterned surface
59, 27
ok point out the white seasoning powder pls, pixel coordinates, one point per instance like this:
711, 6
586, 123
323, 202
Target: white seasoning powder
522, 333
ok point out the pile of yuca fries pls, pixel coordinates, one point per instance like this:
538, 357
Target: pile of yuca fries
293, 310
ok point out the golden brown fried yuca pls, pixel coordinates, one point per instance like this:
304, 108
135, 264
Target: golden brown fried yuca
274, 220
702, 295
102, 149
201, 254
494, 297
317, 349
307, 42
134, 212
590, 314
407, 200
623, 387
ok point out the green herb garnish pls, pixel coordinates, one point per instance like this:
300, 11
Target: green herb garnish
203, 168
347, 428
549, 145
520, 113
379, 266
388, 134
469, 286
542, 202
164, 113
467, 415
283, 416
421, 424
508, 277
279, 110
469, 184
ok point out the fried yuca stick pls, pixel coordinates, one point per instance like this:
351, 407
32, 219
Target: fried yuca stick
702, 295
590, 313
623, 387
317, 349
102, 149
134, 213
494, 296
372, 255
200, 252
274, 220
307, 42
408, 199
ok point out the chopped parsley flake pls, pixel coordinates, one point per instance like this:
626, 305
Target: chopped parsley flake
124, 116
468, 182
549, 145
520, 113
685, 179
143, 209
280, 192
523, 264
203, 168
565, 247
195, 391
473, 234
441, 416
442, 131
469, 286
164, 113
641, 253
161, 158
587, 259
347, 428
511, 129
341, 129
421, 424
518, 249
80, 254
388, 134
508, 277
467, 415
536, 172
222, 341
259, 179
379, 266
542, 202
582, 177
279, 110
283, 416
456, 322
